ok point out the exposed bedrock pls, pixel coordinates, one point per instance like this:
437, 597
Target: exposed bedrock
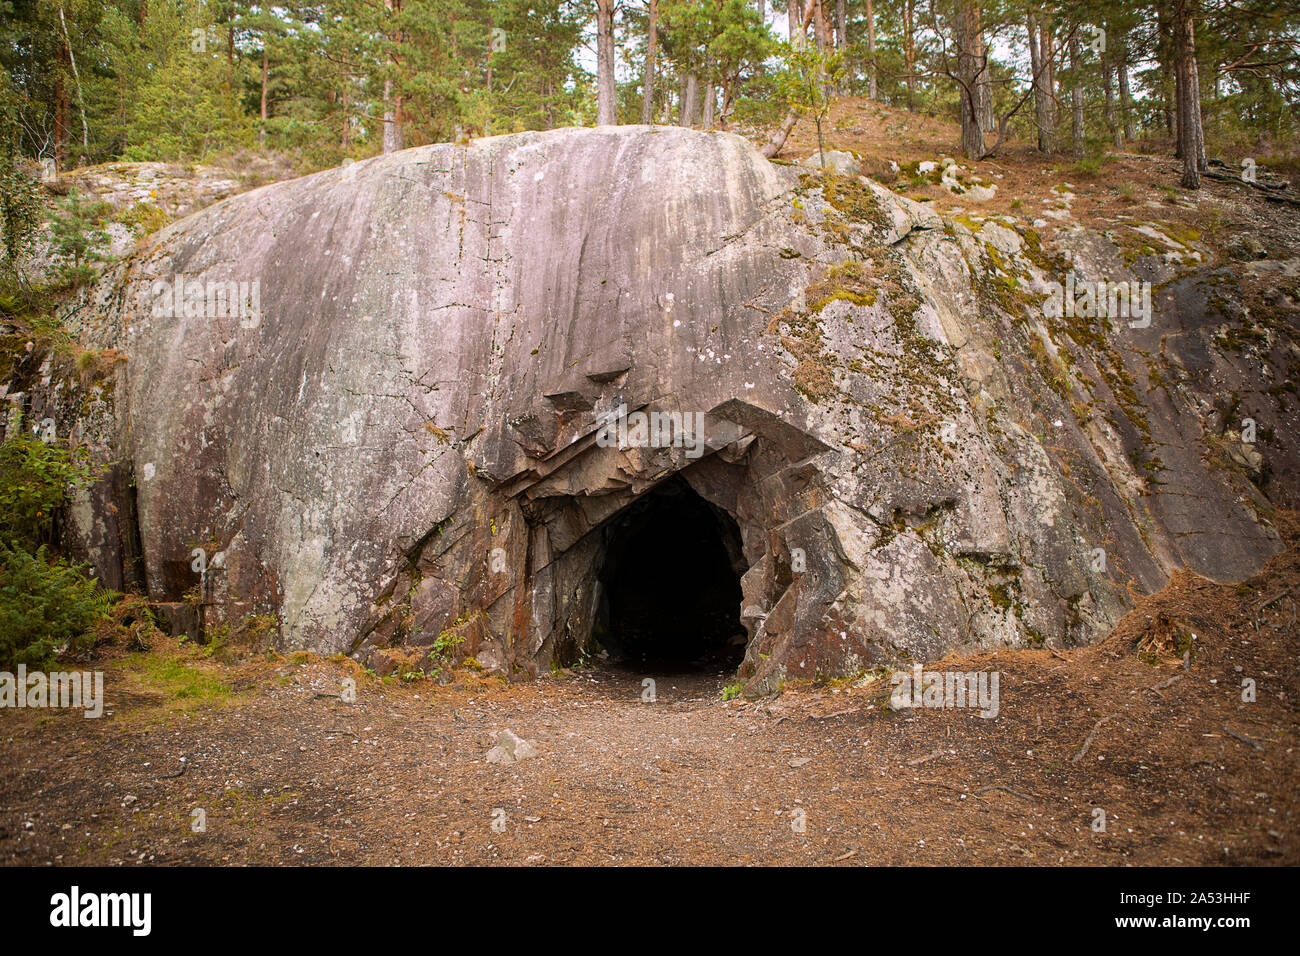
407, 429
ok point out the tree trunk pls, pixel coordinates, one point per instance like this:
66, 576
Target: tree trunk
1179, 78
1040, 94
773, 145
728, 94
261, 133
823, 29
841, 24
1108, 87
1047, 50
346, 136
605, 105
1198, 127
651, 49
794, 19
873, 90
985, 86
1126, 104
81, 99
392, 125
1076, 99
710, 103
983, 90
690, 101
968, 70
394, 139
60, 119
1125, 94
1188, 93
1165, 57
909, 51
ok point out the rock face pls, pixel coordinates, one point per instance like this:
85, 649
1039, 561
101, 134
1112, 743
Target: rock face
399, 435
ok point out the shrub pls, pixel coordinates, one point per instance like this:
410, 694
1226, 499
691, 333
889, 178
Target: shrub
46, 606
21, 210
79, 241
132, 621
46, 603
1088, 165
35, 477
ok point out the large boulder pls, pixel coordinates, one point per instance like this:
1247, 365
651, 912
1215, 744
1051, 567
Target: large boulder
396, 434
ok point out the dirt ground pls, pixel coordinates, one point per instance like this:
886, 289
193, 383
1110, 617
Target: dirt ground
1185, 770
1134, 185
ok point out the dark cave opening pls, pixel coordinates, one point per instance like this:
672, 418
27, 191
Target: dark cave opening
670, 584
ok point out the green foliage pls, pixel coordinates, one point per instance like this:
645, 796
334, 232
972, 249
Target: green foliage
445, 643
1088, 165
184, 79
440, 654
21, 214
809, 83
733, 690
344, 64
78, 239
760, 102
45, 605
35, 477
717, 40
187, 106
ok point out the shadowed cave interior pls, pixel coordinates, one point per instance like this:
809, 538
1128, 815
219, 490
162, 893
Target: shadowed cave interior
670, 593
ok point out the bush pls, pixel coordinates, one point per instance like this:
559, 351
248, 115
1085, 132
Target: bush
21, 214
131, 620
47, 606
79, 241
35, 477
1087, 166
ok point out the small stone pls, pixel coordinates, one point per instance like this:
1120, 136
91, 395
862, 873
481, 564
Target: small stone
511, 748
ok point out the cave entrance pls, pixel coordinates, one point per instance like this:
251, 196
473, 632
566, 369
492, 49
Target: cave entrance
669, 584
